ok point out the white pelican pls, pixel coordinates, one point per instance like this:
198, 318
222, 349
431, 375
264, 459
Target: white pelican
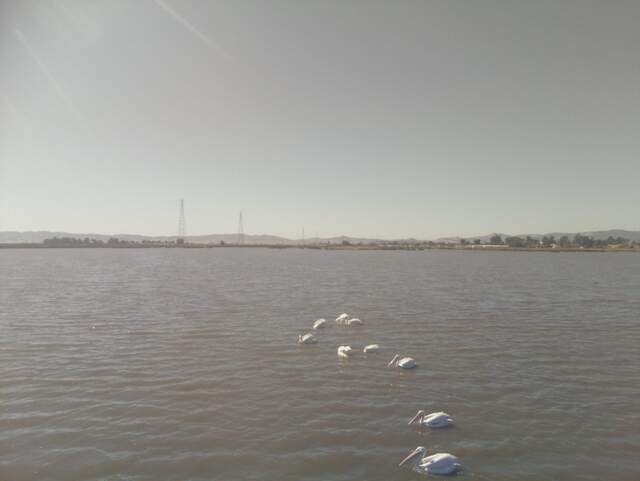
371, 348
439, 463
404, 363
433, 420
319, 323
355, 321
342, 318
345, 351
307, 339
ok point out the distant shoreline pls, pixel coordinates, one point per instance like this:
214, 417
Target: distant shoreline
336, 247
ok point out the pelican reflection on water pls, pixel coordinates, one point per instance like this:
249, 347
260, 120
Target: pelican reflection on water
438, 463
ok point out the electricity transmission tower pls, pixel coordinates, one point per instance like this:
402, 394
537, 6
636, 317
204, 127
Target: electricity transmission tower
240, 229
182, 226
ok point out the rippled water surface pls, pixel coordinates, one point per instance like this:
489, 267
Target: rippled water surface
182, 364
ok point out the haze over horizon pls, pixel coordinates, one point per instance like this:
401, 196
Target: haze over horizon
368, 119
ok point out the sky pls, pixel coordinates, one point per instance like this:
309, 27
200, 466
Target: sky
365, 118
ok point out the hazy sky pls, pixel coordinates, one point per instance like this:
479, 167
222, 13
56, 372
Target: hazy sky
387, 119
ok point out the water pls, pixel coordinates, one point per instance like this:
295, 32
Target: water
183, 364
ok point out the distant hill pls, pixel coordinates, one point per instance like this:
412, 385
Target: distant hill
39, 236
35, 237
351, 240
452, 240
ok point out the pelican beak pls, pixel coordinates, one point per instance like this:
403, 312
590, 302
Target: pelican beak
413, 454
392, 360
419, 415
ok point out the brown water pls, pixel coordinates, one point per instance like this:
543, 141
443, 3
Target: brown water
183, 364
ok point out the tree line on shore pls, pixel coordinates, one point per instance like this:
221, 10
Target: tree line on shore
565, 242
87, 242
516, 242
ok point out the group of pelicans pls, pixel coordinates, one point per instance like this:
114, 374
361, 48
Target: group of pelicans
438, 463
